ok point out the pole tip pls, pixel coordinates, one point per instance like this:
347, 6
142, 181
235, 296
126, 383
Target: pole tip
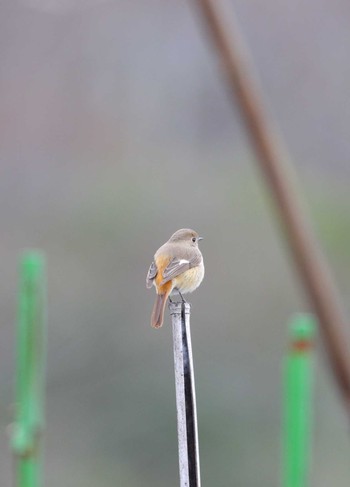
176, 307
302, 327
32, 261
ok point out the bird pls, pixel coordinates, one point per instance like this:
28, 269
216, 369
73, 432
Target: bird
177, 267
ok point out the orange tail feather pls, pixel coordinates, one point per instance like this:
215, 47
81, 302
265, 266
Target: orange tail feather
158, 310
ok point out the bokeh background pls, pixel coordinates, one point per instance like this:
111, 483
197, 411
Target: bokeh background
116, 130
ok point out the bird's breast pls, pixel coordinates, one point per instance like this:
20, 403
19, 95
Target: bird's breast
189, 280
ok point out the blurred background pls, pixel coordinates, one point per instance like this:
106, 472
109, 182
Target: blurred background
116, 131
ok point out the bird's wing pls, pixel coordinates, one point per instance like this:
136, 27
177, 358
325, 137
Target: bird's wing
152, 272
178, 266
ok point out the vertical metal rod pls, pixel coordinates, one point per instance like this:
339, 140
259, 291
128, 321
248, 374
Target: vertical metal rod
185, 396
297, 424
30, 357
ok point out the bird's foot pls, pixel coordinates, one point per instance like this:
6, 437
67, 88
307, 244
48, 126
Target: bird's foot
182, 298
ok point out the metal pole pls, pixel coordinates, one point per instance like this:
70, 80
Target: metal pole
30, 356
297, 421
185, 396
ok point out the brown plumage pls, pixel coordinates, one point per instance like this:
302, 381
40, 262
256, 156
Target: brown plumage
177, 266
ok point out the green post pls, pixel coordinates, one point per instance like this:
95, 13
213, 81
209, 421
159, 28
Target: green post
297, 402
30, 382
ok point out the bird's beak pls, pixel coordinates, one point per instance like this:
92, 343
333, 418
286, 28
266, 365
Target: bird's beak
200, 238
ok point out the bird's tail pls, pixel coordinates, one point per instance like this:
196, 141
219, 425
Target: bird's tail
158, 309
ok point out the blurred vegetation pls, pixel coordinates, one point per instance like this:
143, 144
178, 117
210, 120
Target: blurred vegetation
117, 132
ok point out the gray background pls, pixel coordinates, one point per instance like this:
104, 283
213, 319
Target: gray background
116, 131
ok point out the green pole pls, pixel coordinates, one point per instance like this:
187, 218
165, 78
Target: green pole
30, 358
297, 402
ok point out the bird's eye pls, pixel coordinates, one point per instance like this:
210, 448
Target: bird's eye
194, 239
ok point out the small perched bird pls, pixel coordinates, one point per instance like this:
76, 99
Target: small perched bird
177, 266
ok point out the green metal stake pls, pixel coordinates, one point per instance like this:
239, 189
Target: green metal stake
297, 402
30, 356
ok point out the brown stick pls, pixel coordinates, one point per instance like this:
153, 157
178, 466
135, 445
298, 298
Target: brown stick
311, 265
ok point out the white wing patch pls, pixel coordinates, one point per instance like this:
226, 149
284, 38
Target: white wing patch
178, 266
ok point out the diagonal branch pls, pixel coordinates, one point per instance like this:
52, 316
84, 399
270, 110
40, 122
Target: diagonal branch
310, 263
